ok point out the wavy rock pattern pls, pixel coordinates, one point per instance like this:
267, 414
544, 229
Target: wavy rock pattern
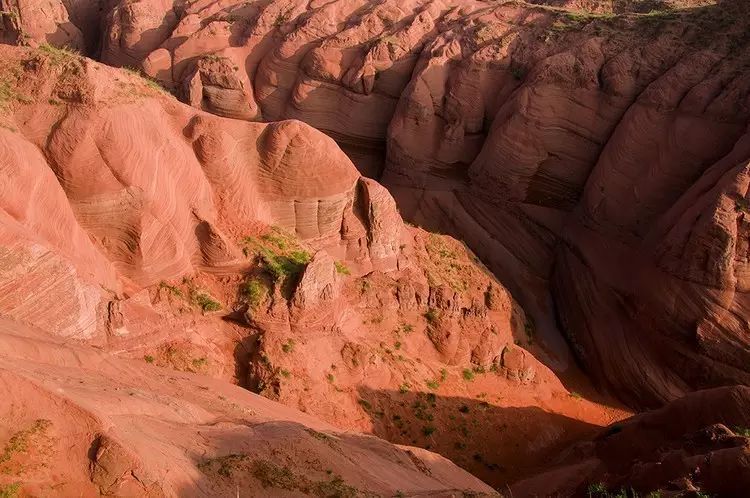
564, 147
128, 188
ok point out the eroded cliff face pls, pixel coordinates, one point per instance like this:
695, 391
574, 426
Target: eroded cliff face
131, 188
136, 233
594, 161
690, 445
256, 254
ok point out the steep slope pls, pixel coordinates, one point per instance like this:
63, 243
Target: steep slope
109, 187
255, 253
596, 162
698, 445
563, 146
78, 422
577, 188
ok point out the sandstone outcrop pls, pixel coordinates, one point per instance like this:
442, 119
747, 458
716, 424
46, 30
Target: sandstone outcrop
256, 253
561, 140
696, 445
122, 187
111, 189
593, 154
78, 422
425, 354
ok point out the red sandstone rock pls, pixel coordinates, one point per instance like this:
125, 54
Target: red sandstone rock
110, 189
162, 252
79, 422
696, 443
539, 136
597, 164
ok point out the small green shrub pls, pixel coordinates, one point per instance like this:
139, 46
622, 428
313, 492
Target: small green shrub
342, 268
9, 13
467, 374
741, 204
271, 475
280, 20
432, 384
276, 239
288, 346
285, 373
404, 388
575, 395
171, 288
364, 404
206, 302
254, 291
427, 430
431, 315
282, 266
10, 490
364, 286
148, 358
597, 489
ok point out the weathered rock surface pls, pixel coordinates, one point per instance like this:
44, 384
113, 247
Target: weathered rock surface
256, 253
597, 163
564, 146
111, 186
696, 444
79, 422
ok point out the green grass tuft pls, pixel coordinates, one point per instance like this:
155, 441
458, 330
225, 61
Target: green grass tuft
206, 302
288, 346
431, 315
282, 266
432, 384
341, 268
254, 291
19, 442
171, 288
58, 56
10, 490
428, 430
